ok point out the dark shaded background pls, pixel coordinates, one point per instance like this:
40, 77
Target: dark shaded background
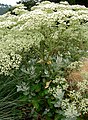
31, 3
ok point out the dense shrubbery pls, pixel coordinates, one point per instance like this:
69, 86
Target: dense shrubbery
38, 51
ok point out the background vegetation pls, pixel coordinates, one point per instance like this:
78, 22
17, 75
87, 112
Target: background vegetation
30, 3
4, 8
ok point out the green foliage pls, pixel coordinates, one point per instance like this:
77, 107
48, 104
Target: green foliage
28, 3
37, 49
8, 97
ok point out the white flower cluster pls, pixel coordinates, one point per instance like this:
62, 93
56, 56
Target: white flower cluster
75, 65
76, 102
83, 86
70, 110
9, 62
59, 91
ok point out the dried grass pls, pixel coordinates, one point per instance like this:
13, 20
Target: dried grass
78, 75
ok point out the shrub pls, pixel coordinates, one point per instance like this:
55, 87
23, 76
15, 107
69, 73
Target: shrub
38, 50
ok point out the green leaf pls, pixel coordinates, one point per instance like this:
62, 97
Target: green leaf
35, 103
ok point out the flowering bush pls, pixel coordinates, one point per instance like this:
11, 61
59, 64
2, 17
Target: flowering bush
20, 31
38, 50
